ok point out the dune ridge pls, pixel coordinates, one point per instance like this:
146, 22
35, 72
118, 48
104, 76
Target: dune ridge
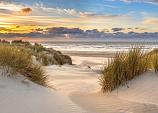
84, 90
76, 89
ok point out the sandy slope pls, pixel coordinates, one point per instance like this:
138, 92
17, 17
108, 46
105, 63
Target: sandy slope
143, 89
140, 97
69, 79
81, 85
78, 91
18, 97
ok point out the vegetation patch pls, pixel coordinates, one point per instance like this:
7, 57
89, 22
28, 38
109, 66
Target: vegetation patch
15, 60
25, 58
124, 67
153, 59
45, 56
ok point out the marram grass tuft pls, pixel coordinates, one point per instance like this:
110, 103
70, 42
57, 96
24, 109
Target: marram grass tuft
122, 68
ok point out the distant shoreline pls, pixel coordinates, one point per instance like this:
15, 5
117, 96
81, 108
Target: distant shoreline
90, 53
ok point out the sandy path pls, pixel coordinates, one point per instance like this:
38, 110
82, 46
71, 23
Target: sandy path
72, 79
81, 85
17, 97
97, 103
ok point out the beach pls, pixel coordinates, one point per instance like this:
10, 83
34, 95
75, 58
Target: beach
82, 87
80, 82
78, 56
76, 89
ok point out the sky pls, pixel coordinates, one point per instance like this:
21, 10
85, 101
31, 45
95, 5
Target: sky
24, 16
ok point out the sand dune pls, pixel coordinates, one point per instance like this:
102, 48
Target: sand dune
70, 79
140, 97
77, 90
82, 87
18, 97
143, 89
99, 103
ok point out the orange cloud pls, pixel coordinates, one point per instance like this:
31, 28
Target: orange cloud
26, 11
151, 21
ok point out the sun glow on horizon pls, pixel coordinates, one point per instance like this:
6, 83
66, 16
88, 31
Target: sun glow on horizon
21, 17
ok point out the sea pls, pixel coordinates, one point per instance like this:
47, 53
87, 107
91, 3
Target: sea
99, 46
96, 54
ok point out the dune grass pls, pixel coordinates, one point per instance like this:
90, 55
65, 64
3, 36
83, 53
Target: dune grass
155, 62
154, 59
18, 60
122, 68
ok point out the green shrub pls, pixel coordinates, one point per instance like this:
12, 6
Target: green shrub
18, 60
122, 68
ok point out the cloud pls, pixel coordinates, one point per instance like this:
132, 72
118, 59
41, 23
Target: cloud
4, 29
40, 15
26, 11
62, 32
10, 6
41, 10
141, 1
151, 21
14, 9
7, 8
39, 30
117, 29
103, 16
128, 29
6, 11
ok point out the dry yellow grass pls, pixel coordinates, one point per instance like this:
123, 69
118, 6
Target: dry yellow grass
18, 60
122, 68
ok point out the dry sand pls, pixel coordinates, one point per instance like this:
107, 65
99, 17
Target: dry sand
81, 85
140, 97
26, 97
77, 90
